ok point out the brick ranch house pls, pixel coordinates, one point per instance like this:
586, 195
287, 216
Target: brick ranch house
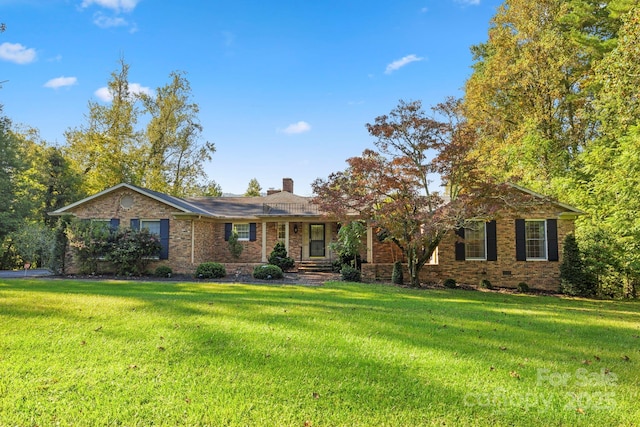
515, 247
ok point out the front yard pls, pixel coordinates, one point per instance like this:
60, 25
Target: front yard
165, 353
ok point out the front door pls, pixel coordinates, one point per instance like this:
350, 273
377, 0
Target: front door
316, 240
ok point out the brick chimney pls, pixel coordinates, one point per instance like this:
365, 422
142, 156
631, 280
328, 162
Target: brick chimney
287, 185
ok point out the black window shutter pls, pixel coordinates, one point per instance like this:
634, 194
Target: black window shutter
135, 224
252, 231
164, 239
227, 231
552, 240
460, 253
114, 223
492, 241
521, 244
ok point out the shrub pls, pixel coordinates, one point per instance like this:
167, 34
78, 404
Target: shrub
235, 247
267, 272
163, 271
523, 287
485, 284
279, 257
210, 270
397, 276
89, 242
349, 243
574, 279
450, 283
350, 274
336, 266
131, 250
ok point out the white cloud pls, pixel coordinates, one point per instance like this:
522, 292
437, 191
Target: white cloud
61, 82
15, 52
115, 5
294, 128
103, 21
469, 2
399, 63
103, 93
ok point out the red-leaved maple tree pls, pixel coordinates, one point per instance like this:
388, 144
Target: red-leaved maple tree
394, 187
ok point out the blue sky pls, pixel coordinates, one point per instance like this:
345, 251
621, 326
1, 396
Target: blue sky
285, 88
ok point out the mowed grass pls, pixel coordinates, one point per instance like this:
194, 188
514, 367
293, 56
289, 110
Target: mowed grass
143, 353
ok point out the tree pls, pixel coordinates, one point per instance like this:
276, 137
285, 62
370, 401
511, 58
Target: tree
391, 188
164, 155
14, 208
608, 181
107, 149
173, 158
532, 89
574, 277
235, 247
209, 188
279, 257
253, 190
349, 242
48, 181
35, 244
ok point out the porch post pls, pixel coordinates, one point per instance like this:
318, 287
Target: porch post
286, 238
264, 241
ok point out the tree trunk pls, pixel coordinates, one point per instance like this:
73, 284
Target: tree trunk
414, 270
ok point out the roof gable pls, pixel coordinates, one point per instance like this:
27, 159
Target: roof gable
172, 201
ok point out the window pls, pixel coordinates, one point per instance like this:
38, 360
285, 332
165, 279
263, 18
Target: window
433, 259
475, 247
245, 231
242, 230
536, 239
159, 227
152, 225
282, 231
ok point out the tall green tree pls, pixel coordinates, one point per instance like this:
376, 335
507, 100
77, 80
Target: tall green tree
253, 189
532, 89
11, 166
107, 149
174, 157
164, 154
526, 94
48, 181
608, 182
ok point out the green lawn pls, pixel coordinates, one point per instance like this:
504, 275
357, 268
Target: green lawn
142, 353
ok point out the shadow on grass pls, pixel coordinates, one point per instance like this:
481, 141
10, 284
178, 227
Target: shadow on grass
353, 345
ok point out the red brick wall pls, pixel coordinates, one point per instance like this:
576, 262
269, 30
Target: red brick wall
505, 272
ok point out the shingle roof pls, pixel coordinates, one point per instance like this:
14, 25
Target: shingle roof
278, 204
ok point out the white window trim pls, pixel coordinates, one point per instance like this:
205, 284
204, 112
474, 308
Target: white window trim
484, 258
434, 258
234, 228
545, 241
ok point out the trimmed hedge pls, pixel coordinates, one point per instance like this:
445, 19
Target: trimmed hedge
163, 271
210, 270
350, 274
267, 272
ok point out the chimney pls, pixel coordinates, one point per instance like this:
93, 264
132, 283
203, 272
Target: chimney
287, 185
